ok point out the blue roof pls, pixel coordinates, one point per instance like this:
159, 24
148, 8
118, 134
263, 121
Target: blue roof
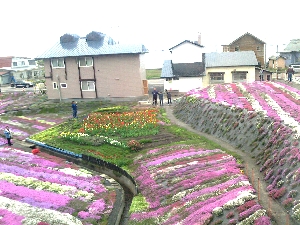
94, 43
242, 58
167, 69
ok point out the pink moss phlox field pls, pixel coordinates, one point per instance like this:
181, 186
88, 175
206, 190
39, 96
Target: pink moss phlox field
184, 185
49, 185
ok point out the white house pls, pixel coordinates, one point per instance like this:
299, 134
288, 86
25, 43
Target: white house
185, 70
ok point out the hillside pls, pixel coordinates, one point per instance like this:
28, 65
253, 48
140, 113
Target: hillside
260, 118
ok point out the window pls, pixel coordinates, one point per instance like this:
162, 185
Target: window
29, 74
226, 48
63, 85
216, 76
237, 48
258, 48
85, 61
239, 76
58, 62
23, 63
15, 64
88, 85
55, 85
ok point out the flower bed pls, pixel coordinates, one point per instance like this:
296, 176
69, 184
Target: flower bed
43, 188
269, 130
187, 185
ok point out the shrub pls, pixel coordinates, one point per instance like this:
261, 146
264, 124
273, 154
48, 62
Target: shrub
288, 203
134, 145
230, 215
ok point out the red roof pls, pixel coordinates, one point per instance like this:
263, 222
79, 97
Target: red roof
5, 61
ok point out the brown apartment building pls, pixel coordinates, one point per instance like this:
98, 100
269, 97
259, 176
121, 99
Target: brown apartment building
248, 42
94, 66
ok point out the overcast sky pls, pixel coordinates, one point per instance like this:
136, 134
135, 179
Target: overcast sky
30, 27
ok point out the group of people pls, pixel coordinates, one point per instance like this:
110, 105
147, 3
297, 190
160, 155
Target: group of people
160, 95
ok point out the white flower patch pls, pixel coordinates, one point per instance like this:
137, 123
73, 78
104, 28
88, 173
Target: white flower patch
34, 215
192, 163
239, 200
36, 184
166, 170
254, 103
288, 120
179, 196
78, 173
253, 217
211, 92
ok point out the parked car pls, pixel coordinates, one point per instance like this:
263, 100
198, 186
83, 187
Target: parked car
296, 68
21, 83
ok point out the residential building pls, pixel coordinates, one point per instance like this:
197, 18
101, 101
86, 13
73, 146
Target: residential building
276, 62
94, 66
229, 67
292, 52
18, 68
185, 70
248, 42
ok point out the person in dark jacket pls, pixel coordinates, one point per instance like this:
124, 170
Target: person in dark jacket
290, 72
161, 98
7, 134
154, 94
74, 108
169, 96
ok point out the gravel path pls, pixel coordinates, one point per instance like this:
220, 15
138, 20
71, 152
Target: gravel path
274, 209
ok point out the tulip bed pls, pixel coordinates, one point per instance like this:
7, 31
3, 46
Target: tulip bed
43, 189
260, 117
188, 185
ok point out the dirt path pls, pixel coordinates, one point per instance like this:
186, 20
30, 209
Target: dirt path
275, 211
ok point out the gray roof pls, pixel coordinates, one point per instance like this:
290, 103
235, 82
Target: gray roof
274, 57
167, 69
223, 59
293, 46
95, 43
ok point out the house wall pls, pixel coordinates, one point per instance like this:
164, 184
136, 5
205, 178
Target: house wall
116, 76
228, 73
187, 53
5, 78
249, 43
279, 63
291, 58
184, 84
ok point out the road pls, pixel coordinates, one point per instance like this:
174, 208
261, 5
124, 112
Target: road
8, 88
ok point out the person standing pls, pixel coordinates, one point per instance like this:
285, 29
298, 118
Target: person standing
161, 98
74, 108
261, 74
290, 72
169, 96
154, 94
7, 134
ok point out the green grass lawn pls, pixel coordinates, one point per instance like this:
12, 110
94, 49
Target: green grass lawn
114, 150
153, 73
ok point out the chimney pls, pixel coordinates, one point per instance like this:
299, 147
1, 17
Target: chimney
199, 38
